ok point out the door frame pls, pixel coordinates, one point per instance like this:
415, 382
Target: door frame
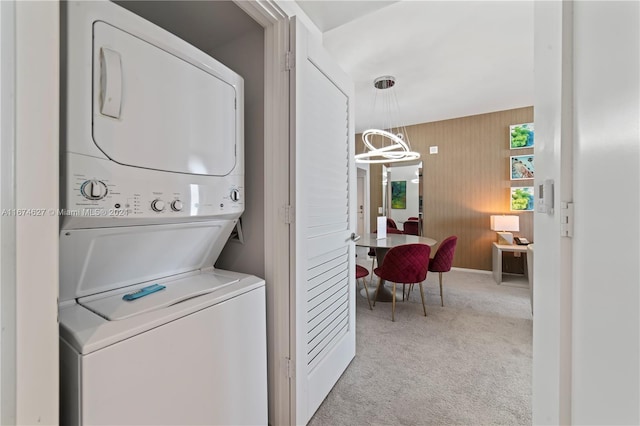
273, 16
553, 264
277, 213
29, 33
7, 224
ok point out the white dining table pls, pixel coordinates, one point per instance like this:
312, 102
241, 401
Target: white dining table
382, 246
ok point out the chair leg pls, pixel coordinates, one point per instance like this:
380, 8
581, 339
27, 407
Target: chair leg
364, 281
441, 297
422, 296
375, 296
393, 304
373, 264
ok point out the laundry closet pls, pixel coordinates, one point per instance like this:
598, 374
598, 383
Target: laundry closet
152, 185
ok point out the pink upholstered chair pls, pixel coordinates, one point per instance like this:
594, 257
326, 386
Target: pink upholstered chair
393, 230
361, 273
404, 264
443, 259
411, 227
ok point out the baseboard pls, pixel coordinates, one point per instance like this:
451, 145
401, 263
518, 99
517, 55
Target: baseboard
477, 271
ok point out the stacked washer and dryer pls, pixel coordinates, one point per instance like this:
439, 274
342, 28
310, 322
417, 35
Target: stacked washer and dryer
152, 186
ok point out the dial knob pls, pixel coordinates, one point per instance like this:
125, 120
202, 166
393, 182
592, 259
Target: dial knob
176, 205
235, 195
93, 189
157, 205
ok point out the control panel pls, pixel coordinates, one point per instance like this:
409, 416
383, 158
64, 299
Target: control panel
113, 199
99, 188
102, 193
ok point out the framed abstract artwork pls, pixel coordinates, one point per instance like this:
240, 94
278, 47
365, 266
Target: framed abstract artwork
522, 167
522, 199
521, 136
399, 194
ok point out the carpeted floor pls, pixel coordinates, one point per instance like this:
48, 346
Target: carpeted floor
468, 363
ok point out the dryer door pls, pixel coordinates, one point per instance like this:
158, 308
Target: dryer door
155, 110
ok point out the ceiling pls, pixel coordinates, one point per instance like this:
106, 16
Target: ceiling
450, 58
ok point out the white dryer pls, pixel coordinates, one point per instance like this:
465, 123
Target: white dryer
152, 186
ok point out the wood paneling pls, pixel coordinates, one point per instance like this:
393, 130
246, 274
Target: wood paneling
466, 182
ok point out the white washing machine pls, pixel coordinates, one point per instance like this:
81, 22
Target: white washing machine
193, 353
152, 186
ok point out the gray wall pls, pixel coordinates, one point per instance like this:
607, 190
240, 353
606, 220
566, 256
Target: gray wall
246, 57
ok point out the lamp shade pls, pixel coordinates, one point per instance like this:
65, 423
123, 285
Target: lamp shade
505, 223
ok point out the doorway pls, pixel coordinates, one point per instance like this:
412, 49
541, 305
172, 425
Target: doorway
363, 199
402, 189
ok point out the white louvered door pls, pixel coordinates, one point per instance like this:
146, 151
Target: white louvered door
325, 217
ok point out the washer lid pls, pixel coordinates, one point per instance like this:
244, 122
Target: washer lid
96, 261
112, 307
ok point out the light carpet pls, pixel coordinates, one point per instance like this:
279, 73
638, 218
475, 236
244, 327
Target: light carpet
467, 363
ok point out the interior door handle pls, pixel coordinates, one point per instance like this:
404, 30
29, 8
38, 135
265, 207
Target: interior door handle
355, 237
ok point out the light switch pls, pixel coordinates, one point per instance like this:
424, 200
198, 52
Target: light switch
433, 149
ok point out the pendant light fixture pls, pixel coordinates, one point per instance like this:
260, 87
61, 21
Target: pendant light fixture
387, 143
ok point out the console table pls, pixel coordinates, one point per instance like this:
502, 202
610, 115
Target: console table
498, 249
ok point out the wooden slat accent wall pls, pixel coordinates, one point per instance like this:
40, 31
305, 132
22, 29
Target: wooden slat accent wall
466, 182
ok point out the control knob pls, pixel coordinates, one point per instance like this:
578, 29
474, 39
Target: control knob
235, 195
176, 205
157, 205
93, 189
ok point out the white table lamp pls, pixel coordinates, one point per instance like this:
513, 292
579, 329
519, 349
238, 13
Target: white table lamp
503, 224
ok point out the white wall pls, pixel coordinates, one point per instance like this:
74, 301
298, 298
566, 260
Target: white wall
587, 300
606, 293
246, 57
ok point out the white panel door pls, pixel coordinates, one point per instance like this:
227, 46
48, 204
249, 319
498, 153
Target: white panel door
323, 311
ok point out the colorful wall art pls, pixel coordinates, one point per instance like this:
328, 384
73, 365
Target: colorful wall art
521, 136
399, 194
521, 167
522, 198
